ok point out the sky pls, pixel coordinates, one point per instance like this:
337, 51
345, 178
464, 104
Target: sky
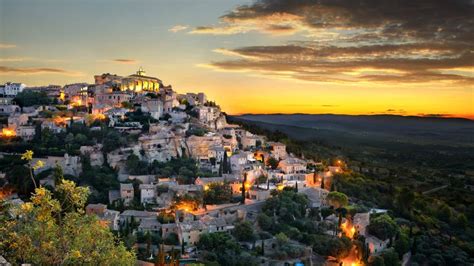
400, 57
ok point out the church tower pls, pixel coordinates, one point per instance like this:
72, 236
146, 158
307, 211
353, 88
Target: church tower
141, 72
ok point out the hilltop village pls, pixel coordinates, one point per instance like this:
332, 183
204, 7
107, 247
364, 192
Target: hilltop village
167, 173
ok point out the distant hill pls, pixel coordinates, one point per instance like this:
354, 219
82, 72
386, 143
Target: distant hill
370, 129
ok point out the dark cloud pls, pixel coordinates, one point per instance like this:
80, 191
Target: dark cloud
125, 61
345, 40
435, 115
37, 70
395, 111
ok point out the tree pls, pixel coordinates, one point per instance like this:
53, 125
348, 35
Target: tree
402, 244
404, 200
244, 182
322, 182
273, 163
225, 164
376, 261
390, 258
218, 193
127, 105
338, 200
462, 221
282, 239
53, 231
383, 227
58, 174
264, 221
28, 156
243, 231
30, 98
172, 239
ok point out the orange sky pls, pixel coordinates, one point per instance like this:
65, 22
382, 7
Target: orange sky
258, 58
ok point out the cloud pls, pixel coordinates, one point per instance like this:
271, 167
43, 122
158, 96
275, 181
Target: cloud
125, 61
7, 45
395, 111
215, 30
353, 41
37, 70
14, 59
435, 115
177, 28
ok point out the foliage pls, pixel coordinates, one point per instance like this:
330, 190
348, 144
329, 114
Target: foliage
326, 245
264, 221
56, 231
402, 244
172, 239
383, 227
184, 168
219, 248
441, 218
135, 166
243, 231
390, 258
337, 199
273, 163
30, 98
218, 193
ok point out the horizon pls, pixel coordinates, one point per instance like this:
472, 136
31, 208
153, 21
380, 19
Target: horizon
395, 115
260, 57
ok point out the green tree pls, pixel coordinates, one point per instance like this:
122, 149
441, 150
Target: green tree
55, 231
402, 244
338, 200
390, 258
218, 193
383, 227
243, 231
282, 239
264, 221
404, 200
30, 98
273, 163
376, 261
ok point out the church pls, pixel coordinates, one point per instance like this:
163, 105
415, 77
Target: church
138, 82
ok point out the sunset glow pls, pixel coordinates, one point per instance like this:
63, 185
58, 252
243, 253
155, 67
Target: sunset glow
251, 57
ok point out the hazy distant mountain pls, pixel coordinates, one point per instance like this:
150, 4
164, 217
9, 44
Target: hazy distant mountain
367, 128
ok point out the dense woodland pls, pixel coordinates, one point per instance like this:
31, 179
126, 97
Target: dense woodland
438, 225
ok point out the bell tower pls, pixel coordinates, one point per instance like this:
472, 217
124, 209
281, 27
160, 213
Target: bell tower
141, 72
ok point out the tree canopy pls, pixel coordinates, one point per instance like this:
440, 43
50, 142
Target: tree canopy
383, 227
53, 230
337, 199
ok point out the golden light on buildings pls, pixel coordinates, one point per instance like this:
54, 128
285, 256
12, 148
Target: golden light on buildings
348, 229
76, 101
62, 96
206, 187
280, 187
248, 185
99, 116
59, 120
8, 132
185, 206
